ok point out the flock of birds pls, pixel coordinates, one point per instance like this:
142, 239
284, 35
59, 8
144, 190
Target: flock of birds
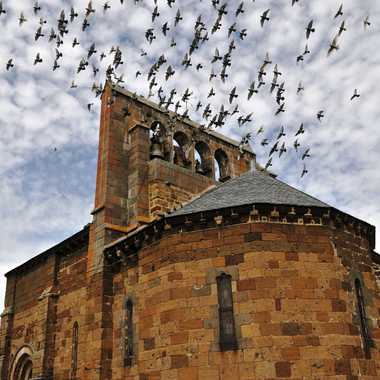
219, 66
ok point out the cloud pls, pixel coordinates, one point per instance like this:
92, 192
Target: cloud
48, 140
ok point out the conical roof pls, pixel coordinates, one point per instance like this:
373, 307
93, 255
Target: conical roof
250, 188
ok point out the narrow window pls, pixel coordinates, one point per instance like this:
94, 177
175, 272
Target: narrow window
226, 314
128, 334
74, 351
363, 319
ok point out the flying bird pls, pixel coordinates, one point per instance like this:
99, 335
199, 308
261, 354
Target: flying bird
355, 95
306, 154
38, 59
10, 64
22, 19
264, 17
342, 28
339, 12
333, 46
309, 29
304, 171
366, 23
2, 10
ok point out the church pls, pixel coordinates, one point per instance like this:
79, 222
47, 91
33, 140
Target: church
197, 265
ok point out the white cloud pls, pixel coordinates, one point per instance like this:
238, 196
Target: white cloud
48, 138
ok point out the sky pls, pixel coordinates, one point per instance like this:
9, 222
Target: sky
48, 139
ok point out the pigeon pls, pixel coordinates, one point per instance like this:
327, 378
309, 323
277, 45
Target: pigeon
2, 10
264, 17
304, 171
366, 23
339, 12
309, 29
320, 115
355, 95
22, 19
10, 64
306, 154
333, 46
342, 28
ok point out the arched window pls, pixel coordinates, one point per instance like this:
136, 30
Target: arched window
158, 142
363, 319
222, 166
74, 351
22, 368
181, 148
227, 334
128, 333
203, 161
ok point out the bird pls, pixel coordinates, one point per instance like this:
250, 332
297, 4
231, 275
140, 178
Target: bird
264, 17
232, 95
282, 149
355, 95
339, 12
268, 164
52, 35
22, 19
2, 10
274, 148
55, 65
252, 90
38, 59
73, 85
296, 144
36, 7
306, 51
73, 14
165, 28
155, 13
300, 131
304, 171
242, 34
106, 6
260, 130
309, 29
342, 28
89, 9
280, 109
306, 154
212, 75
178, 18
320, 115
89, 105
10, 64
75, 42
282, 133
300, 88
239, 9
333, 46
366, 23
38, 34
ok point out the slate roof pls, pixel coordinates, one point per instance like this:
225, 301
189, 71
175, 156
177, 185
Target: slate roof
250, 188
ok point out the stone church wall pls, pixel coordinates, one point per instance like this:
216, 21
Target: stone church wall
295, 309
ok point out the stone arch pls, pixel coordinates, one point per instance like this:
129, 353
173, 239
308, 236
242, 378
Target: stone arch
203, 159
181, 149
22, 367
159, 146
222, 166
